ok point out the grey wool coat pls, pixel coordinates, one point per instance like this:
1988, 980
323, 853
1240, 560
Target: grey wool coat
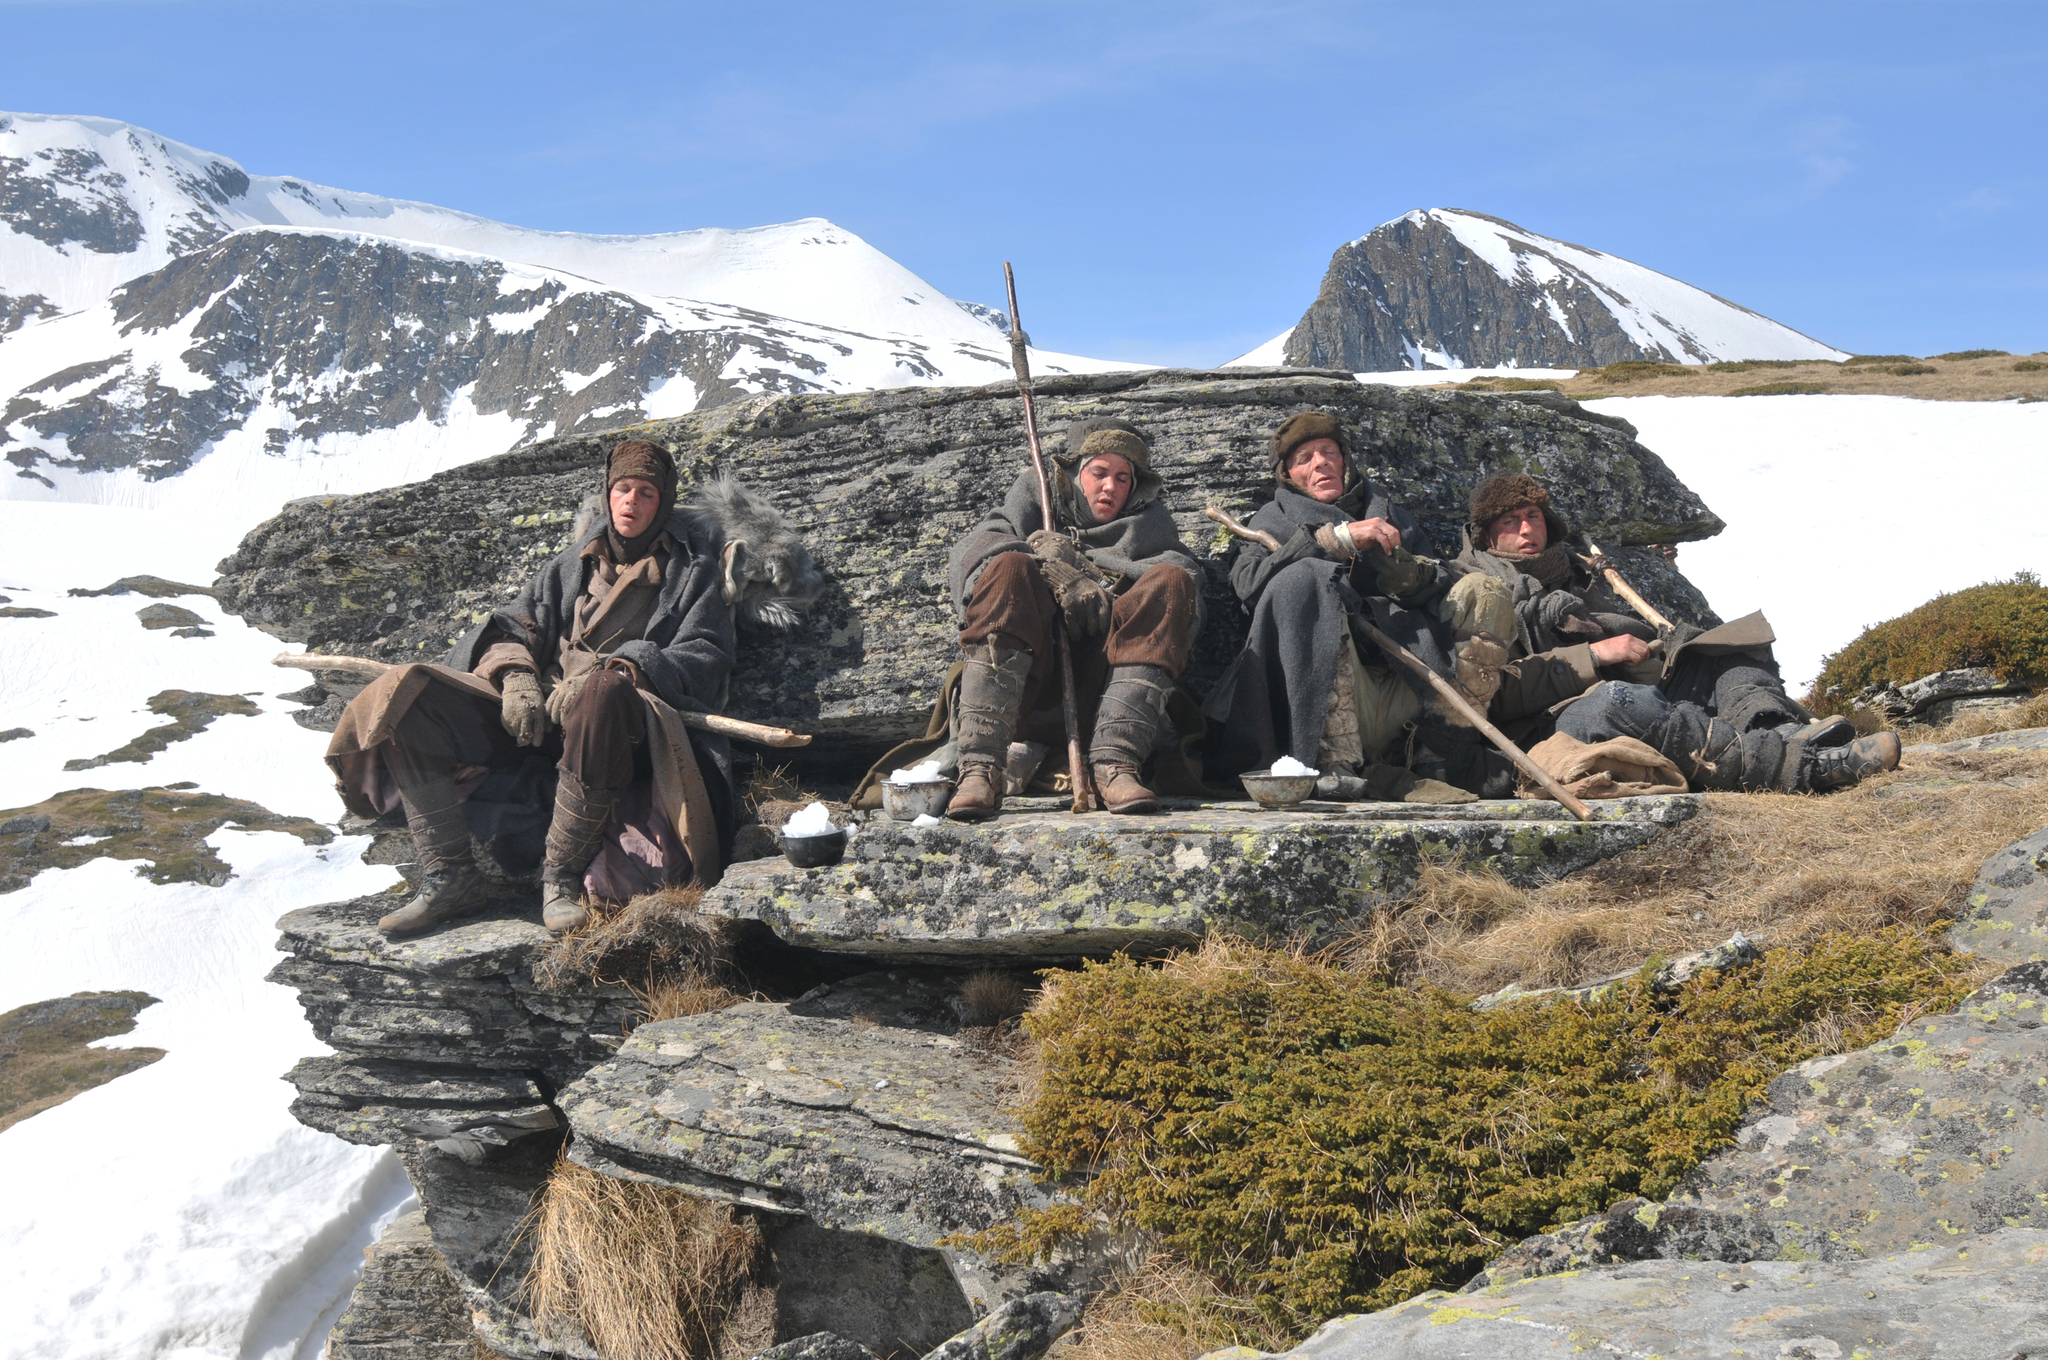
1141, 537
1273, 700
686, 651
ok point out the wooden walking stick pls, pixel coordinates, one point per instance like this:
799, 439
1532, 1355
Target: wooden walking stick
370, 669
1077, 766
1444, 688
1598, 561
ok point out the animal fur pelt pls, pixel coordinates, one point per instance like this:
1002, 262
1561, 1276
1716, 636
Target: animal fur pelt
770, 579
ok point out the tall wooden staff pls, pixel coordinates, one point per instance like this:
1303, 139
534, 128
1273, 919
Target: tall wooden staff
1077, 766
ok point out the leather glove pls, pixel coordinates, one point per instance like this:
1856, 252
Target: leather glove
1084, 600
564, 694
1480, 659
520, 709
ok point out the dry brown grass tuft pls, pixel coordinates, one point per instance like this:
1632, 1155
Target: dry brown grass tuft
773, 785
1983, 378
1784, 869
690, 992
1166, 1309
653, 943
990, 997
645, 1270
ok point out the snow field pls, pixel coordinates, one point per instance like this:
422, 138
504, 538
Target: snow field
178, 1211
1844, 511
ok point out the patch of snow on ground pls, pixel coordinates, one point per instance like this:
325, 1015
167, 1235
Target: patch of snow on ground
178, 1211
1844, 511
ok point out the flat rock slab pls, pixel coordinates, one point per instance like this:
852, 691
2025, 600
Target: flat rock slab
1042, 886
853, 1107
1934, 1134
462, 995
2019, 739
2005, 917
1982, 1298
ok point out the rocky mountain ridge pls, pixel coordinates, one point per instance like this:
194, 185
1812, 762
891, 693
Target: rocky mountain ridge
1449, 288
159, 305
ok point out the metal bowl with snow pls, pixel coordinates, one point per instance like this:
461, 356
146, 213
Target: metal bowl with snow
1278, 790
908, 801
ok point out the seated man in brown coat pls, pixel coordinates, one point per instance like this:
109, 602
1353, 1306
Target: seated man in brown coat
1711, 702
1114, 572
589, 668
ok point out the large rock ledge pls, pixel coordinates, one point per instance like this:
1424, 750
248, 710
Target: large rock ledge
862, 1107
883, 483
1045, 886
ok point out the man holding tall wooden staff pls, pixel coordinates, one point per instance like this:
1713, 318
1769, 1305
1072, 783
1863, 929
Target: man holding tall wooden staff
1113, 573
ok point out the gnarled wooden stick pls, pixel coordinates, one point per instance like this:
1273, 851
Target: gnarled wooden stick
1444, 688
369, 669
1622, 588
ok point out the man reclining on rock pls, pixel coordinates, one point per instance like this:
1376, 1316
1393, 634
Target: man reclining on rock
1305, 686
1711, 703
1114, 568
587, 668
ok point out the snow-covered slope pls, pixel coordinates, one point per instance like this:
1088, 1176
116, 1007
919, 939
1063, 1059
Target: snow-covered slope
86, 203
1447, 288
169, 310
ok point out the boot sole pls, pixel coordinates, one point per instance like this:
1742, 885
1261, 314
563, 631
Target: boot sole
1136, 807
972, 814
399, 932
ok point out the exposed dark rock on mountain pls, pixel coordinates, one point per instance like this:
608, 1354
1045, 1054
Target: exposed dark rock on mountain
883, 482
1456, 289
323, 333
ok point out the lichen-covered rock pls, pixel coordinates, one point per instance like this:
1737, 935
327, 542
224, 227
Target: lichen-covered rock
406, 1306
859, 1107
1022, 1329
2005, 917
379, 1102
2017, 739
882, 483
1633, 1230
1050, 885
461, 998
1987, 1296
818, 1346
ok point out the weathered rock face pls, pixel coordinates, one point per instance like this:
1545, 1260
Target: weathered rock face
334, 334
1983, 1298
884, 483
406, 1306
1449, 288
862, 1107
1043, 887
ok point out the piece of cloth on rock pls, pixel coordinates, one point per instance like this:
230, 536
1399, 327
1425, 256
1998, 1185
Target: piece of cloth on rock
1619, 767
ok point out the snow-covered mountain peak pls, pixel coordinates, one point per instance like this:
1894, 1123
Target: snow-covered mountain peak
87, 203
1452, 288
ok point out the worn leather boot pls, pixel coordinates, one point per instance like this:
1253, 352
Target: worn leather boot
1837, 767
573, 840
1823, 732
984, 716
450, 883
1126, 722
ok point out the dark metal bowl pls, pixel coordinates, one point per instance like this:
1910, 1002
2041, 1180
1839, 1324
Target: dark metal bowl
815, 852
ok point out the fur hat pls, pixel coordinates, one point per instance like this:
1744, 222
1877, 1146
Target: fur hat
1505, 492
1297, 430
649, 462
1088, 438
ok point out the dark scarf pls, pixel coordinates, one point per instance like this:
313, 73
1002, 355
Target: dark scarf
1553, 568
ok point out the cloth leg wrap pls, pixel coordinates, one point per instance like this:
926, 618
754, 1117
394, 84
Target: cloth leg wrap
991, 693
576, 831
1717, 757
1128, 717
433, 811
1342, 750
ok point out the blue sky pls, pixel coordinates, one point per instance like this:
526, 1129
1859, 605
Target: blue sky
1170, 179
